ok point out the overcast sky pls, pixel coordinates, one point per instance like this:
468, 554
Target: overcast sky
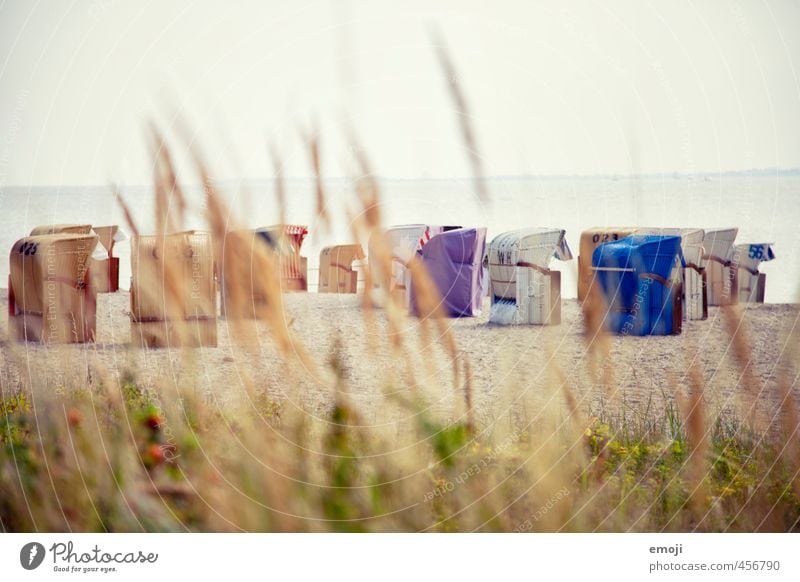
554, 87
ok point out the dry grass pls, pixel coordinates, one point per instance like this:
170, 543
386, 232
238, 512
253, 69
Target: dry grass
464, 117
104, 453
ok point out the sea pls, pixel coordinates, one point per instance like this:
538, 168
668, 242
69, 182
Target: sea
766, 209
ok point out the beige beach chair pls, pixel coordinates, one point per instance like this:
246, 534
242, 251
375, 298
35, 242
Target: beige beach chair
722, 285
243, 284
590, 240
173, 291
105, 271
287, 241
336, 273
50, 296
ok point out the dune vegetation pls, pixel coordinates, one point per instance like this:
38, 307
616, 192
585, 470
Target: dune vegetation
104, 453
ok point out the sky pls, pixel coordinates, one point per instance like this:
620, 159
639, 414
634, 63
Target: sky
585, 87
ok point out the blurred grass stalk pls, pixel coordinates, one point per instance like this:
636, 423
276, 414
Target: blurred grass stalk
106, 454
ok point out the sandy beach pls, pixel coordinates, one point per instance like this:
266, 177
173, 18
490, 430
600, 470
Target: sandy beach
647, 372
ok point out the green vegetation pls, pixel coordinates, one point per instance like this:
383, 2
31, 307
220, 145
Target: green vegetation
89, 461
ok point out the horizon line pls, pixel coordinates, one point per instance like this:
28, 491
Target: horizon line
762, 172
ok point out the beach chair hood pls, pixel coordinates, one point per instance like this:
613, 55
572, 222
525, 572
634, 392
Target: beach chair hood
62, 229
454, 261
635, 277
642, 254
718, 245
749, 256
284, 238
528, 247
691, 241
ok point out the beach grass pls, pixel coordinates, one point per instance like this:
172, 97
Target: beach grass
104, 452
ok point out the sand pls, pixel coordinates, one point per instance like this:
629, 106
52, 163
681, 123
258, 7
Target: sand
519, 369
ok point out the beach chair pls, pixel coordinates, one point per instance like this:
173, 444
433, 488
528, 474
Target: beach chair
454, 262
62, 229
50, 298
747, 258
522, 287
336, 272
635, 275
245, 280
105, 271
103, 266
404, 241
722, 286
287, 240
693, 275
173, 291
590, 240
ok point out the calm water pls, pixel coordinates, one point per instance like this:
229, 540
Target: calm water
764, 209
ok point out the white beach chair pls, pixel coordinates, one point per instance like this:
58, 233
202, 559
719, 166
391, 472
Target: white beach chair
404, 241
747, 258
721, 287
522, 288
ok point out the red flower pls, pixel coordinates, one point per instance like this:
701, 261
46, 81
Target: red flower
74, 417
153, 456
153, 421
